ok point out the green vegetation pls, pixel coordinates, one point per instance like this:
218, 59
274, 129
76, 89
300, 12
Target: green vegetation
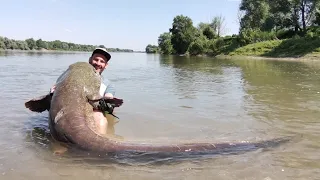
152, 49
294, 47
31, 44
270, 28
257, 49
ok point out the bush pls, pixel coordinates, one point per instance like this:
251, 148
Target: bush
223, 45
313, 31
285, 34
257, 48
199, 46
249, 36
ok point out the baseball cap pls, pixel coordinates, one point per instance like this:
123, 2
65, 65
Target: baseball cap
102, 51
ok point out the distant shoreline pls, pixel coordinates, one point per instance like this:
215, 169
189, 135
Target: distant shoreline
42, 51
60, 51
309, 57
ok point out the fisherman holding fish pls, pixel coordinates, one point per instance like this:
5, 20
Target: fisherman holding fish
99, 60
74, 125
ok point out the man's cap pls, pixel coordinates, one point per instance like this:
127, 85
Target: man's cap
102, 51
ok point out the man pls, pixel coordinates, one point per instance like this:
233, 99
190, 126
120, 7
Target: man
99, 60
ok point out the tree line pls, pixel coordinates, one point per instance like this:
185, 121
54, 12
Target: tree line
259, 20
32, 44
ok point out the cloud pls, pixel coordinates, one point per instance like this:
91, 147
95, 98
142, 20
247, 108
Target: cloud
68, 30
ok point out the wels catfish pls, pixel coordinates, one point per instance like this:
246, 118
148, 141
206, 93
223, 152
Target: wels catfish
71, 118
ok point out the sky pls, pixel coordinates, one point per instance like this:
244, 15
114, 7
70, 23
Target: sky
126, 24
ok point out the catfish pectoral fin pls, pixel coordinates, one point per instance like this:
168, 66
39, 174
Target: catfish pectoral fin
39, 104
115, 101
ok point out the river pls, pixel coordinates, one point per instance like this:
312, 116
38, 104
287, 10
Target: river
169, 98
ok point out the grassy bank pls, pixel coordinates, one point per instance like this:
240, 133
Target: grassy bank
288, 48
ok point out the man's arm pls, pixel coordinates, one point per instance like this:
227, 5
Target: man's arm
110, 90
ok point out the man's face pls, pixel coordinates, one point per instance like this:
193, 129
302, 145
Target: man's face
99, 62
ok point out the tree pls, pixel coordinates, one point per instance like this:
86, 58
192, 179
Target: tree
65, 46
9, 43
255, 14
56, 44
317, 19
31, 43
151, 48
240, 15
183, 33
23, 45
198, 46
209, 33
307, 10
202, 26
2, 44
281, 15
41, 44
268, 15
207, 30
164, 42
218, 26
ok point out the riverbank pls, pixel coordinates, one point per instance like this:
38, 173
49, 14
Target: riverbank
294, 49
310, 57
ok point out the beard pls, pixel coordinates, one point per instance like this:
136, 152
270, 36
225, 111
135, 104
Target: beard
97, 66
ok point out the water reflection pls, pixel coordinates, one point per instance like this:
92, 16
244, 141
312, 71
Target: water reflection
199, 82
285, 97
268, 91
194, 75
206, 65
283, 89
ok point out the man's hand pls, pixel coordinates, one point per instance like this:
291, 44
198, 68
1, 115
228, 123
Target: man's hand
108, 96
52, 89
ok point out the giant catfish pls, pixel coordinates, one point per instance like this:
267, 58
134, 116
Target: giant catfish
71, 119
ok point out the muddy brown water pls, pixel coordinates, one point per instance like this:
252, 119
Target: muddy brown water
170, 99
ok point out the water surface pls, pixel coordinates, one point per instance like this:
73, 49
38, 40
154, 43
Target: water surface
172, 99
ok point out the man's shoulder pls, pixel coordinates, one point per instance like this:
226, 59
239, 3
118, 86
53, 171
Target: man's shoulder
107, 86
